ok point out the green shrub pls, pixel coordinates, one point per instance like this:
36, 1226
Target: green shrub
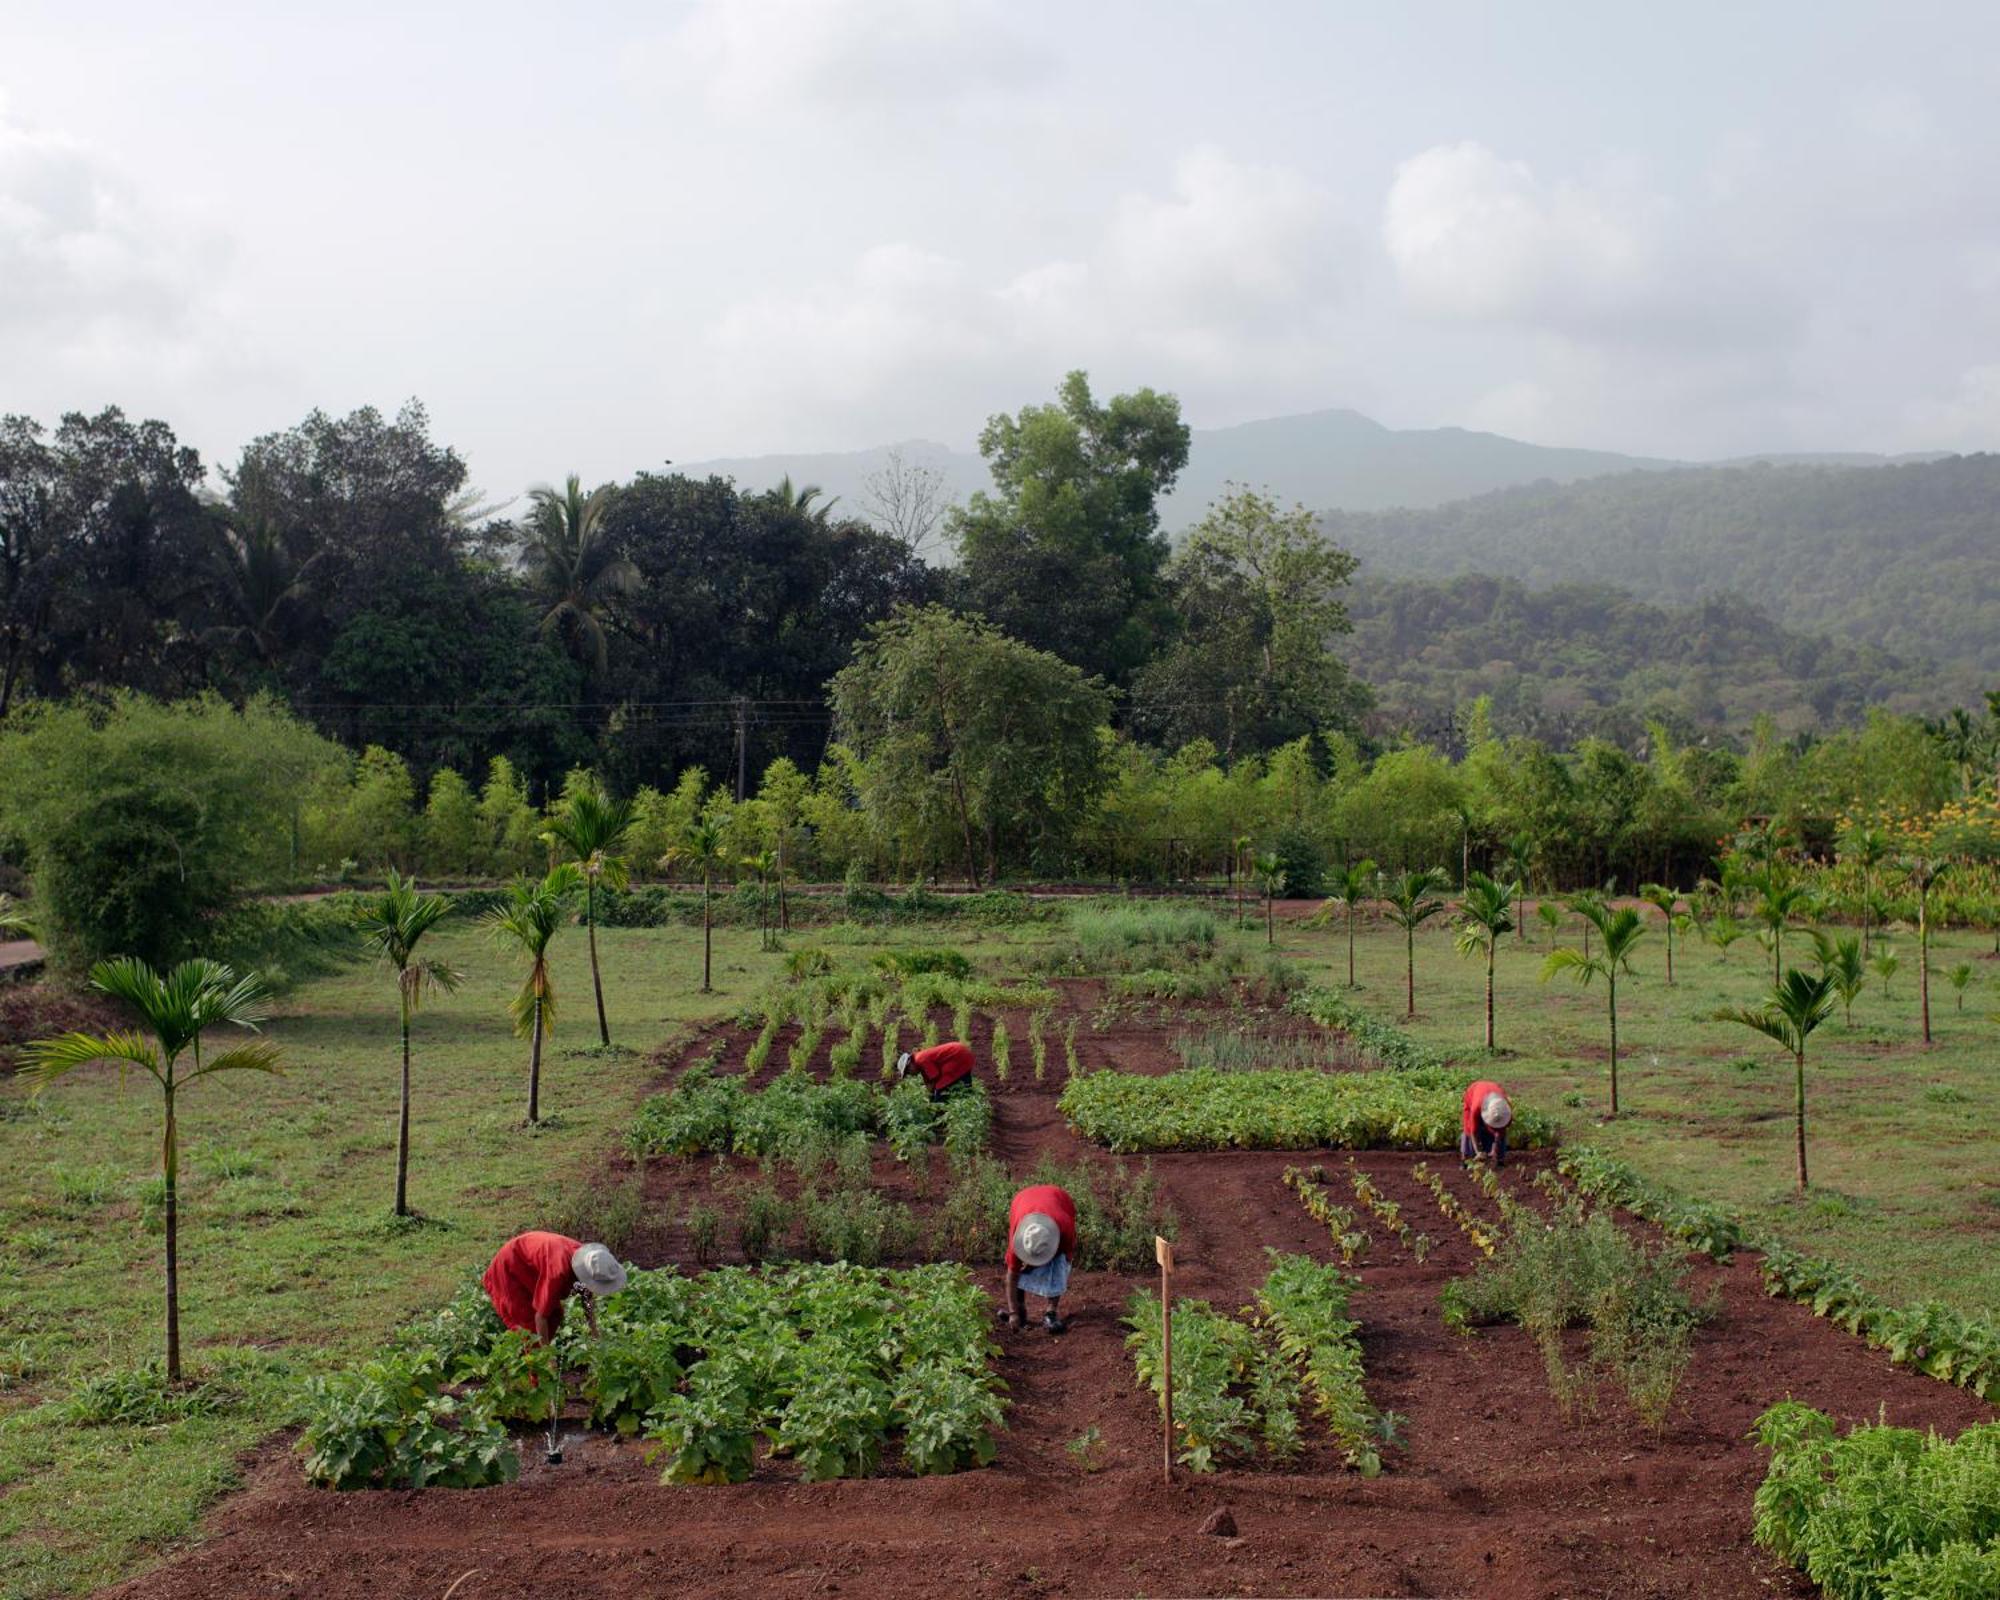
1107, 936
1302, 860
138, 1397
390, 1426
917, 959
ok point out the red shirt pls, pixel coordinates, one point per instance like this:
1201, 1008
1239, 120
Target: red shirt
1474, 1098
531, 1276
1053, 1203
943, 1064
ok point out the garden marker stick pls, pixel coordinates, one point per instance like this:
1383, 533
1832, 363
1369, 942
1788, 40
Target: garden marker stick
1163, 1252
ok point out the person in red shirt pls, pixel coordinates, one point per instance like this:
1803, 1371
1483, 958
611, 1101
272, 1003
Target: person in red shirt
1041, 1243
1483, 1130
943, 1067
534, 1274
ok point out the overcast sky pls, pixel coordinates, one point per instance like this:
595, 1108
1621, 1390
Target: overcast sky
597, 240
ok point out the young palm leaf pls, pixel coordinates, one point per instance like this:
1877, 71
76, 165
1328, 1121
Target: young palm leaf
590, 830
1960, 979
1411, 900
531, 916
1790, 1014
1619, 931
1551, 918
176, 1008
1840, 960
391, 924
1885, 965
1485, 914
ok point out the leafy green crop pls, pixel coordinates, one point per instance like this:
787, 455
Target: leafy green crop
391, 1426
515, 1376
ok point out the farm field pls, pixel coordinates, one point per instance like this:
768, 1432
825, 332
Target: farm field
1490, 1488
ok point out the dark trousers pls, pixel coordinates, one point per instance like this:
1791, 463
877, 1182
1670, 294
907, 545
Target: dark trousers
1483, 1141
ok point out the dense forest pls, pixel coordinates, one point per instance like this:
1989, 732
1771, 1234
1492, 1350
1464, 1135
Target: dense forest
1577, 661
1905, 557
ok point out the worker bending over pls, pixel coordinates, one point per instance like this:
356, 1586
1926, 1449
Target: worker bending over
1483, 1131
943, 1067
1041, 1243
534, 1274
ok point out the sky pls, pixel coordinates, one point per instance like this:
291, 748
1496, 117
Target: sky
599, 241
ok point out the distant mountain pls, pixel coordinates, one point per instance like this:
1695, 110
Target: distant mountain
1336, 459
1902, 557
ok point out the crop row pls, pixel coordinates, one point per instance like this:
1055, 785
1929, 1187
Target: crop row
1208, 1110
1483, 1238
1349, 1237
1882, 1513
1387, 1212
1382, 1042
830, 1366
1241, 1383
703, 1115
1699, 1224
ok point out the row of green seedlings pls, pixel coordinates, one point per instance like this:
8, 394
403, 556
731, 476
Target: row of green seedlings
1929, 1337
1881, 1513
1575, 1267
829, 1366
1241, 1383
1483, 1238
1349, 1238
844, 1056
1387, 1212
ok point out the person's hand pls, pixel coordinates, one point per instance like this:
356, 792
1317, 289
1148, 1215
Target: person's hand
1014, 1321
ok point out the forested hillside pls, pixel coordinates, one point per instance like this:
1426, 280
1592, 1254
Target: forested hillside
1578, 660
1905, 557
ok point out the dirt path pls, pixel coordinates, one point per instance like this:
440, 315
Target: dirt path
1493, 1495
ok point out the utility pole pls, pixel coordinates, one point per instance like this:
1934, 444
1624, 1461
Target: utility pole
742, 746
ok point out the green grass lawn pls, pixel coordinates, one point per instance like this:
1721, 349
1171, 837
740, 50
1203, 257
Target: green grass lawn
1902, 1139
290, 1263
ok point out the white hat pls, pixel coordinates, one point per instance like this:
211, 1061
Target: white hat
1037, 1239
903, 1063
1495, 1112
597, 1270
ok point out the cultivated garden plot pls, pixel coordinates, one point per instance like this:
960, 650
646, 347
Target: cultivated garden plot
1360, 1440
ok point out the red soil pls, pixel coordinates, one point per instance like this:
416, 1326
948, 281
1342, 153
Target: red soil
1494, 1494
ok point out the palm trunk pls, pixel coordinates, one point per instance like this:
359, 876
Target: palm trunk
535, 1066
170, 1167
1867, 914
1270, 927
1491, 941
1350, 944
1924, 961
1799, 1112
596, 981
1670, 949
1778, 954
1612, 987
1410, 972
784, 910
707, 945
403, 1123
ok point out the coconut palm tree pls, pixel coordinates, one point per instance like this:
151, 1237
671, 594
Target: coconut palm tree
700, 847
176, 1007
528, 921
1841, 961
1551, 918
1960, 979
800, 500
590, 829
1778, 902
1271, 877
1885, 964
1922, 875
1349, 886
1483, 915
1868, 847
1790, 1014
1663, 899
571, 567
391, 924
1411, 899
1619, 931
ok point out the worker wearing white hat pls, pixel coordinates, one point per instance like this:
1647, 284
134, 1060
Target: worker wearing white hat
1483, 1131
1041, 1244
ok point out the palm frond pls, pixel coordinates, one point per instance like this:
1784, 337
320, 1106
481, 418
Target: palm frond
45, 1060
1566, 959
259, 1055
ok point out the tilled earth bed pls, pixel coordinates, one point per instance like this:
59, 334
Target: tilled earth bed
1492, 1494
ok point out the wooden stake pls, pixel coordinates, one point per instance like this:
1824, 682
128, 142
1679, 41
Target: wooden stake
1163, 1252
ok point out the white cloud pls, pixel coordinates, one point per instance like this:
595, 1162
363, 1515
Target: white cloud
1968, 418
1228, 278
97, 287
750, 56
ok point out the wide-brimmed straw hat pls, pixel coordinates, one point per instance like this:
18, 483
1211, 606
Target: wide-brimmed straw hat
597, 1270
1036, 1239
1495, 1112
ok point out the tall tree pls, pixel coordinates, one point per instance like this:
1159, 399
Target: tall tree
176, 1007
1066, 552
1483, 916
1411, 900
1347, 887
700, 846
392, 924
573, 569
527, 921
1618, 931
591, 830
1790, 1014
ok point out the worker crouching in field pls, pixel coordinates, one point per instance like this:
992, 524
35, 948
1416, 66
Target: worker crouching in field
1041, 1242
943, 1067
1484, 1130
534, 1274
